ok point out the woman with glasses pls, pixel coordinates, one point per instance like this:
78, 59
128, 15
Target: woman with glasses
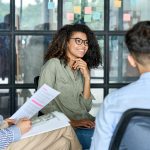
72, 53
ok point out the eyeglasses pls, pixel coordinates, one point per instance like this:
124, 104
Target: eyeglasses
80, 41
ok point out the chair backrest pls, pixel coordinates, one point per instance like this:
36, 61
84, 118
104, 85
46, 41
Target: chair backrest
132, 131
36, 80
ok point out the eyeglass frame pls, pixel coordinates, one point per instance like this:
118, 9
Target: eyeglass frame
82, 41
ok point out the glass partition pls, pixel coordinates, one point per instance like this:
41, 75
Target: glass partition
97, 74
87, 12
5, 61
98, 94
112, 90
120, 70
22, 95
30, 51
125, 13
36, 14
4, 102
5, 15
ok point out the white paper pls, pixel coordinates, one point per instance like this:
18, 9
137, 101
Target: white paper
46, 123
39, 99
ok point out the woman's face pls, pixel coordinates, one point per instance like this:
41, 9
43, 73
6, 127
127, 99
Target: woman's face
77, 45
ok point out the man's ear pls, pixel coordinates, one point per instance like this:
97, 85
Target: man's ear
131, 60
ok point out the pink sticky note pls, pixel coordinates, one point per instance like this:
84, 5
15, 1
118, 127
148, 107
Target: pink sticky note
126, 17
88, 10
70, 16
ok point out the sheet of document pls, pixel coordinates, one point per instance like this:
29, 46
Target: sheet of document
37, 101
46, 123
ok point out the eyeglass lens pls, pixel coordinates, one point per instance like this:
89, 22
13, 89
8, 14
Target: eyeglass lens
80, 41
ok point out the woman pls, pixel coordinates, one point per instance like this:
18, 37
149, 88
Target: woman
72, 53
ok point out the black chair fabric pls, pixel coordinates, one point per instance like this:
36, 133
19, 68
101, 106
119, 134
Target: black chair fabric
36, 80
132, 131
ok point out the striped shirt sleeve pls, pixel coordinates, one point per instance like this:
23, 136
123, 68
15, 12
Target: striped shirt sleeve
9, 135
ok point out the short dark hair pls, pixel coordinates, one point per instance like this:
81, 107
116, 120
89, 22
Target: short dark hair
57, 48
138, 41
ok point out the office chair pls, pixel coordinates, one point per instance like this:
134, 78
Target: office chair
132, 131
36, 80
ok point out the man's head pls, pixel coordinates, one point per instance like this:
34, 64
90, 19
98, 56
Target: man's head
138, 42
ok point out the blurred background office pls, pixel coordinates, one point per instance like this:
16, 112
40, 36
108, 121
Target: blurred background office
27, 27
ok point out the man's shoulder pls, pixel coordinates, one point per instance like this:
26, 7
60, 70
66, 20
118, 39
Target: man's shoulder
121, 92
127, 88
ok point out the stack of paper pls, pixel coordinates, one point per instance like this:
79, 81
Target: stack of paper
32, 106
46, 123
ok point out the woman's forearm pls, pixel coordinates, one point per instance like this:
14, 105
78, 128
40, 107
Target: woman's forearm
86, 92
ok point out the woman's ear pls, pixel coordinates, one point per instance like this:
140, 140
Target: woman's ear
132, 60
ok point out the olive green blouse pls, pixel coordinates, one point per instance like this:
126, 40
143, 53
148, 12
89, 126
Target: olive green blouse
70, 101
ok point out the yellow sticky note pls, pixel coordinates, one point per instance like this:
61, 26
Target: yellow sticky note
126, 17
77, 9
117, 3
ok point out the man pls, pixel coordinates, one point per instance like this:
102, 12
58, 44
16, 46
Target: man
60, 139
134, 95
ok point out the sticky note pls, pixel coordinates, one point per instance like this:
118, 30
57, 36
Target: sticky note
87, 18
126, 26
138, 13
51, 5
70, 16
96, 15
117, 3
134, 20
68, 5
77, 9
133, 2
88, 10
126, 17
100, 8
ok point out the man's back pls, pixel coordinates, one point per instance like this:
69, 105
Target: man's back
134, 95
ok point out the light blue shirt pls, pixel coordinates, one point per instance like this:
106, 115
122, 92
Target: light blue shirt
134, 95
8, 135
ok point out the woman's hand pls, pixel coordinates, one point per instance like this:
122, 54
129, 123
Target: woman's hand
83, 123
10, 121
24, 125
82, 65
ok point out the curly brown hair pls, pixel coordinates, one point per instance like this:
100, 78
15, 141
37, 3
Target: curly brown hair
58, 47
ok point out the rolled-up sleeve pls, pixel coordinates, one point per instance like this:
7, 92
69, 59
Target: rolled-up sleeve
86, 102
9, 135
